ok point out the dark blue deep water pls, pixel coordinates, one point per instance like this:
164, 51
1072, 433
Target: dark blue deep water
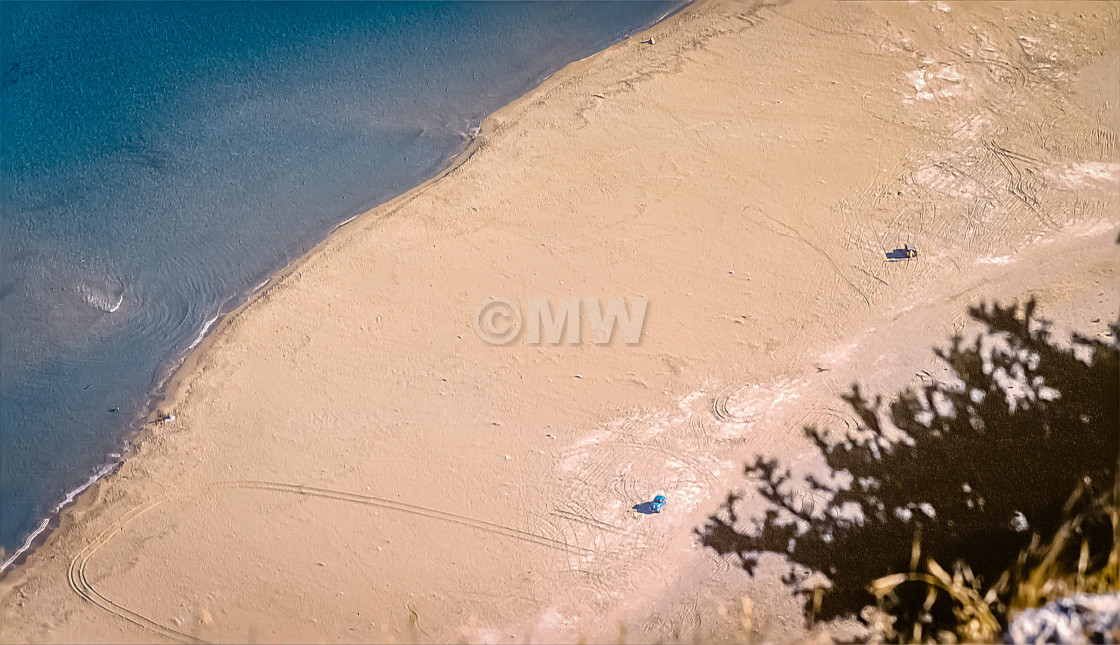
161, 159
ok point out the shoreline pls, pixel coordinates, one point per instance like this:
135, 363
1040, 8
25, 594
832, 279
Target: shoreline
586, 426
149, 414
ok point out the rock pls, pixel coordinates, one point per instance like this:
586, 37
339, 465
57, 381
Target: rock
1081, 618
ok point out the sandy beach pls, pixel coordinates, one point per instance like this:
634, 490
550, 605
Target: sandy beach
350, 461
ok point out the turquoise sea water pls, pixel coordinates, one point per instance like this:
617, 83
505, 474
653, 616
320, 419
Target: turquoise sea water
159, 160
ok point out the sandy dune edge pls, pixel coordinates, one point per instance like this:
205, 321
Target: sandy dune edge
349, 461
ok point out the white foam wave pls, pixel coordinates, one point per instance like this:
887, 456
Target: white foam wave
202, 333
70, 497
104, 301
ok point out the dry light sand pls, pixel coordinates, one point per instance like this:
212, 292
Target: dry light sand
350, 462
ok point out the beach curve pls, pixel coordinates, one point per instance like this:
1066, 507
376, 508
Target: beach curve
359, 367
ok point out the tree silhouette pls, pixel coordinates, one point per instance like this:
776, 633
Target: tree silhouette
972, 471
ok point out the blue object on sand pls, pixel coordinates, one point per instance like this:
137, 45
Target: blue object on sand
658, 503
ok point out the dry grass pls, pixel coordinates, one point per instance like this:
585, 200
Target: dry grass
1041, 574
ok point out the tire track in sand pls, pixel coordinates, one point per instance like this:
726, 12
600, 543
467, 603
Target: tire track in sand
79, 581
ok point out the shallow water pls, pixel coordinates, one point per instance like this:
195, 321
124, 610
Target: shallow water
161, 159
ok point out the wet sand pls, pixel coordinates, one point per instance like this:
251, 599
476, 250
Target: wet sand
349, 461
